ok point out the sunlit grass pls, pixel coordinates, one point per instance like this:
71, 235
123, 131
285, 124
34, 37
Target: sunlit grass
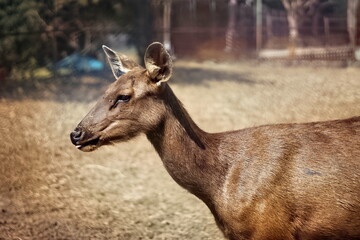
50, 190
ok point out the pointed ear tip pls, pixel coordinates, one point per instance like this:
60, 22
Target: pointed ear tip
106, 48
154, 44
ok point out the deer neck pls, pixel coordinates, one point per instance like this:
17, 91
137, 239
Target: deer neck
188, 153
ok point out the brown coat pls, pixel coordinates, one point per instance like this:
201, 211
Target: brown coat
285, 181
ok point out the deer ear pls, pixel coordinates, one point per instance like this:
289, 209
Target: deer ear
119, 64
158, 62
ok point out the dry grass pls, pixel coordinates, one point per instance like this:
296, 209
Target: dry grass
50, 190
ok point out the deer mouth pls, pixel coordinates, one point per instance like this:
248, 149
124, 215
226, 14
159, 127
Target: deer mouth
89, 145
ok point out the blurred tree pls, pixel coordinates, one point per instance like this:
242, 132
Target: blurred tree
132, 17
137, 20
299, 10
42, 31
231, 28
31, 31
17, 48
352, 10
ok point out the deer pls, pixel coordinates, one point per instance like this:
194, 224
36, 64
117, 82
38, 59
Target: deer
280, 181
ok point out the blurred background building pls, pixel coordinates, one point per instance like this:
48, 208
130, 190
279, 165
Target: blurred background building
45, 33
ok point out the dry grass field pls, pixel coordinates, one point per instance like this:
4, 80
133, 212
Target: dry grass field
51, 190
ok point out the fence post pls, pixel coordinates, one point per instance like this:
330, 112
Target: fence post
269, 20
326, 29
258, 26
167, 25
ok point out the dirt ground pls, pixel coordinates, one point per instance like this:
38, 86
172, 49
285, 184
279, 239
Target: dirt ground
51, 190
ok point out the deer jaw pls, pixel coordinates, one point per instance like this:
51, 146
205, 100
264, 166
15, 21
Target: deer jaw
131, 105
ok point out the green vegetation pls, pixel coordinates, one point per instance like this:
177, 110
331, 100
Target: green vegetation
17, 48
37, 33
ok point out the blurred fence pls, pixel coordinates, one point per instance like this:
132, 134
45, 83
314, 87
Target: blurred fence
197, 29
214, 29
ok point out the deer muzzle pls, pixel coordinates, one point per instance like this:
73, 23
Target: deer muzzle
83, 141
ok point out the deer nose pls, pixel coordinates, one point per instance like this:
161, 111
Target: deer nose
76, 135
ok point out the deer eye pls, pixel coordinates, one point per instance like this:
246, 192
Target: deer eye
121, 99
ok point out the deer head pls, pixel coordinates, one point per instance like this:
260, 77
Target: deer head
131, 105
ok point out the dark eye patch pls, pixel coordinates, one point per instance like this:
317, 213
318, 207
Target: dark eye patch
121, 99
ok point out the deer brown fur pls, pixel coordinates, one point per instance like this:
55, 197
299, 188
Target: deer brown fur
285, 181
